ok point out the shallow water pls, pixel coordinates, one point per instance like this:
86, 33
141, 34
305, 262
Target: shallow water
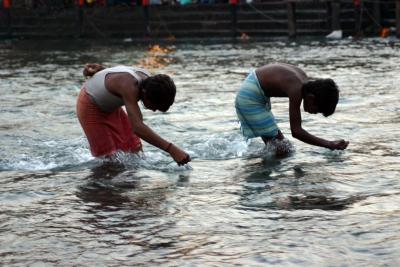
235, 205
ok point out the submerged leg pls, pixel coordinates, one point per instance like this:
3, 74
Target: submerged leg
280, 145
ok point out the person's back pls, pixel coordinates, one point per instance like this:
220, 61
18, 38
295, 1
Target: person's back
275, 78
101, 95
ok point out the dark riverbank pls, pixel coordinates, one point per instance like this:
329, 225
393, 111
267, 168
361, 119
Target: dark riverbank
203, 21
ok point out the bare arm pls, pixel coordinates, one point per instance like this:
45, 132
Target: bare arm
130, 94
140, 128
295, 123
297, 130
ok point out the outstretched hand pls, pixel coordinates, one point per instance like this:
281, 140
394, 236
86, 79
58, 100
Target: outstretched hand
91, 69
338, 144
180, 156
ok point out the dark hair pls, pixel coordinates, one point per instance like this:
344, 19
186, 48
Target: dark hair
160, 90
326, 94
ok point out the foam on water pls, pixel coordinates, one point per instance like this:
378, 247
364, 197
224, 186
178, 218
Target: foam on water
59, 154
47, 155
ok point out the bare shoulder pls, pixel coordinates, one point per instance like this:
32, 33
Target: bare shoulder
281, 71
122, 84
275, 69
280, 79
283, 68
298, 70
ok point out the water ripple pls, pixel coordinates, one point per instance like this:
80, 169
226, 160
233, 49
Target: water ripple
236, 204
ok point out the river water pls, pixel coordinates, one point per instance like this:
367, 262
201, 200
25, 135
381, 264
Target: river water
236, 204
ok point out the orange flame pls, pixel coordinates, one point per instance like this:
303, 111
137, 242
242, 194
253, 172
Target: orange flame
157, 58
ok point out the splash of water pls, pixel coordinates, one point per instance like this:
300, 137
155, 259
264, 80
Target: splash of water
58, 154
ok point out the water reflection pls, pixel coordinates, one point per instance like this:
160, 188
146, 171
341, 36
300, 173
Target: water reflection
270, 183
100, 188
112, 184
322, 202
122, 210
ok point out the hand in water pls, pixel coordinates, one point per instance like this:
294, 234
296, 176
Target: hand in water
180, 156
338, 144
91, 69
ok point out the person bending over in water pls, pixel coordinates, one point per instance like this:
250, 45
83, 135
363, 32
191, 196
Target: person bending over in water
253, 106
107, 126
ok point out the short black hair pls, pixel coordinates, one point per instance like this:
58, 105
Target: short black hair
326, 94
160, 90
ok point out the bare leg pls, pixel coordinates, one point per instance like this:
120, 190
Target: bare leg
279, 136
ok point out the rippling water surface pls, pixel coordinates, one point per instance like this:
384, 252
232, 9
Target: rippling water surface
235, 204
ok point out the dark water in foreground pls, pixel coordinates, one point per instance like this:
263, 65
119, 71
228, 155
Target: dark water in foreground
235, 205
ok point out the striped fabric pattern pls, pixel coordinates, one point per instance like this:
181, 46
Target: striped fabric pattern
253, 109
